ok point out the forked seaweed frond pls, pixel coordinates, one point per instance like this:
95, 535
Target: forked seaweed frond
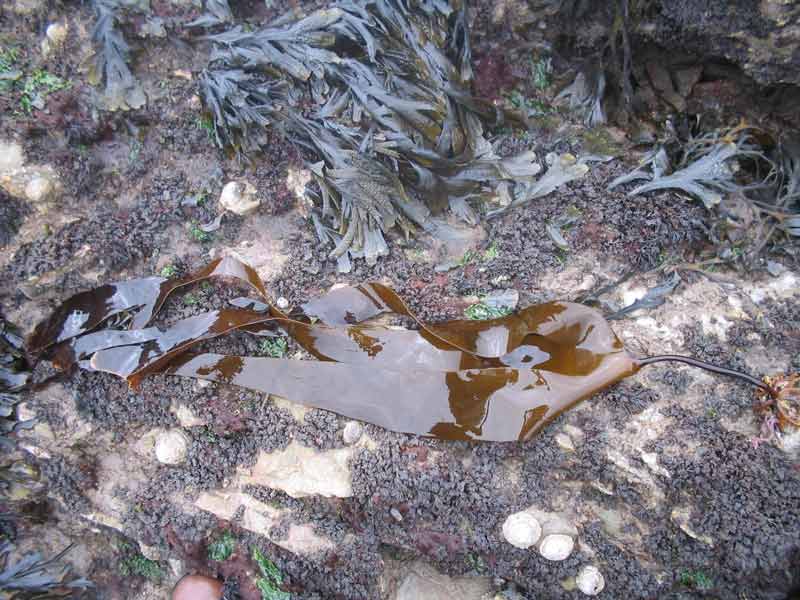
378, 97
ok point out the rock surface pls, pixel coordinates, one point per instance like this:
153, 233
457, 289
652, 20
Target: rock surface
260, 518
27, 7
39, 184
763, 38
239, 197
424, 582
300, 471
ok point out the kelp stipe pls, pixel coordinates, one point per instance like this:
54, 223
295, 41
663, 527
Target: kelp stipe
700, 364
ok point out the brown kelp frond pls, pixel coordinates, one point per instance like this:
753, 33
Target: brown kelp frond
215, 13
14, 375
110, 64
32, 577
20, 488
705, 167
378, 98
499, 379
241, 105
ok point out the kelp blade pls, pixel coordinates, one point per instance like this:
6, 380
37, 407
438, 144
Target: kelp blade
499, 380
85, 311
496, 404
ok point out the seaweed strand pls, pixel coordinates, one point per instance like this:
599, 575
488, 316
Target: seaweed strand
700, 364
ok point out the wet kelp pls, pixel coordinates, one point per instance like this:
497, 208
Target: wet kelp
499, 380
110, 66
14, 374
32, 577
20, 486
752, 179
377, 95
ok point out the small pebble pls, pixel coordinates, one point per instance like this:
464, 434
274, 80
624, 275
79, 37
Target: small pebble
240, 198
396, 515
565, 442
197, 587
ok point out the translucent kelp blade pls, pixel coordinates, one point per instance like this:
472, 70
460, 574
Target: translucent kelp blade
558, 337
86, 310
564, 322
125, 360
561, 322
496, 380
500, 404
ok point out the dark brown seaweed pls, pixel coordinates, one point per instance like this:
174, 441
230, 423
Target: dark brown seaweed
499, 380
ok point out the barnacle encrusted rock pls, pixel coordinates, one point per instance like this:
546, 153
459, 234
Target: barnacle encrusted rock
352, 432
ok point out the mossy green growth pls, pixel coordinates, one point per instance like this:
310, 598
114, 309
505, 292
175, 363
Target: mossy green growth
541, 72
133, 563
473, 256
271, 578
696, 579
273, 347
222, 548
169, 271
8, 70
191, 300
491, 252
8, 59
483, 312
198, 235
206, 122
531, 106
599, 141
38, 86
